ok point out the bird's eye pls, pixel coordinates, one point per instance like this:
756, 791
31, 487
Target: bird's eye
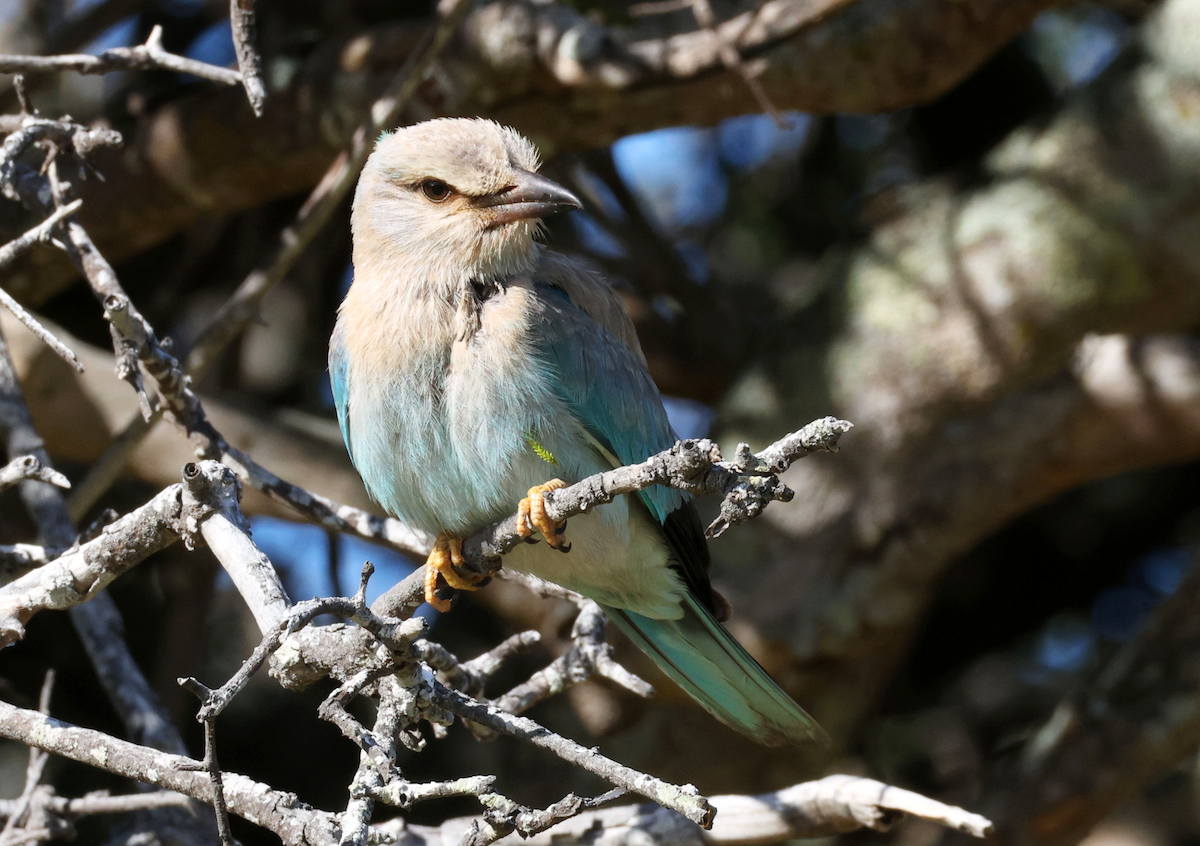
435, 190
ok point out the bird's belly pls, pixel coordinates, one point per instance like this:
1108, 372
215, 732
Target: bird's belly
447, 448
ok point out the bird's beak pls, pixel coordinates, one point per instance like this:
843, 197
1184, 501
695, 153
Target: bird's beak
531, 196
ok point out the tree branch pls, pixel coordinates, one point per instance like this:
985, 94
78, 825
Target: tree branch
143, 57
821, 56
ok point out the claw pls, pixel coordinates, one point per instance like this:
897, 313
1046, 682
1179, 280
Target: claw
446, 554
532, 517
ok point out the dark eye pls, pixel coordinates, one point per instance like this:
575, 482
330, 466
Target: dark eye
435, 190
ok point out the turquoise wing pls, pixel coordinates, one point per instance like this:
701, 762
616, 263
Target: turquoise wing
338, 382
605, 383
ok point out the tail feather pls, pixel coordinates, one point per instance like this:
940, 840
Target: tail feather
704, 659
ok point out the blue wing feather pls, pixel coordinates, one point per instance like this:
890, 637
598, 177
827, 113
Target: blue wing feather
337, 380
605, 383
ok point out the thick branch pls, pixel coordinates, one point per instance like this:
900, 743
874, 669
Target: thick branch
821, 56
294, 822
80, 574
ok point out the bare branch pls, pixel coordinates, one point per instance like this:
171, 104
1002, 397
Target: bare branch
143, 57
33, 773
748, 483
14, 248
241, 20
282, 813
28, 467
685, 800
99, 622
81, 573
227, 534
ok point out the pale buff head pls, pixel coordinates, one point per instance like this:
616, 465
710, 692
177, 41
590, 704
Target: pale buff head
448, 201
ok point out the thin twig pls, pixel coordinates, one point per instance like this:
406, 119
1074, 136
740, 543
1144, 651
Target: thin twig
142, 57
33, 772
29, 467
731, 57
210, 763
504, 816
588, 656
685, 799
14, 248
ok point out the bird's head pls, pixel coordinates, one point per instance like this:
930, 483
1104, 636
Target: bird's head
451, 200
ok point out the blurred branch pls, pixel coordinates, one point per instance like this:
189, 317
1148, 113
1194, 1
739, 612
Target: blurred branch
820, 56
993, 393
145, 56
1129, 720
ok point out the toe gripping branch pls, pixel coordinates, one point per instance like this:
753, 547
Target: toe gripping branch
447, 552
532, 517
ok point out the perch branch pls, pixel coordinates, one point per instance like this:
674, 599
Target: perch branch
748, 484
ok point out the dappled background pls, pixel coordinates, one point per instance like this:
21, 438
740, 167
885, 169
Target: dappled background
993, 274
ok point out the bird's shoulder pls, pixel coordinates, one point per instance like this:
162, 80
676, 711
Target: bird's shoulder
588, 291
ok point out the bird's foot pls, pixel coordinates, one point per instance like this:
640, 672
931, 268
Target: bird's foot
531, 516
447, 552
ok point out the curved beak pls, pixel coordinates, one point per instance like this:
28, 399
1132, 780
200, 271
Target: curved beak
531, 196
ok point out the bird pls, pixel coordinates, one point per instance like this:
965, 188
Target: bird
474, 369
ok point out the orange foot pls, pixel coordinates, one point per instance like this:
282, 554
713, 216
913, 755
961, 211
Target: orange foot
531, 516
447, 552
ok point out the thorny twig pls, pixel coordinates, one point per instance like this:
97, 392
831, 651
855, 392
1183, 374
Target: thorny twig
210, 763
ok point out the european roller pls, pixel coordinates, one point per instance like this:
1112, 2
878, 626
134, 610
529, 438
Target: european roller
474, 370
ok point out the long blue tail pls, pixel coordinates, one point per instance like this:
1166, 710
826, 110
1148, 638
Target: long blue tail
705, 660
